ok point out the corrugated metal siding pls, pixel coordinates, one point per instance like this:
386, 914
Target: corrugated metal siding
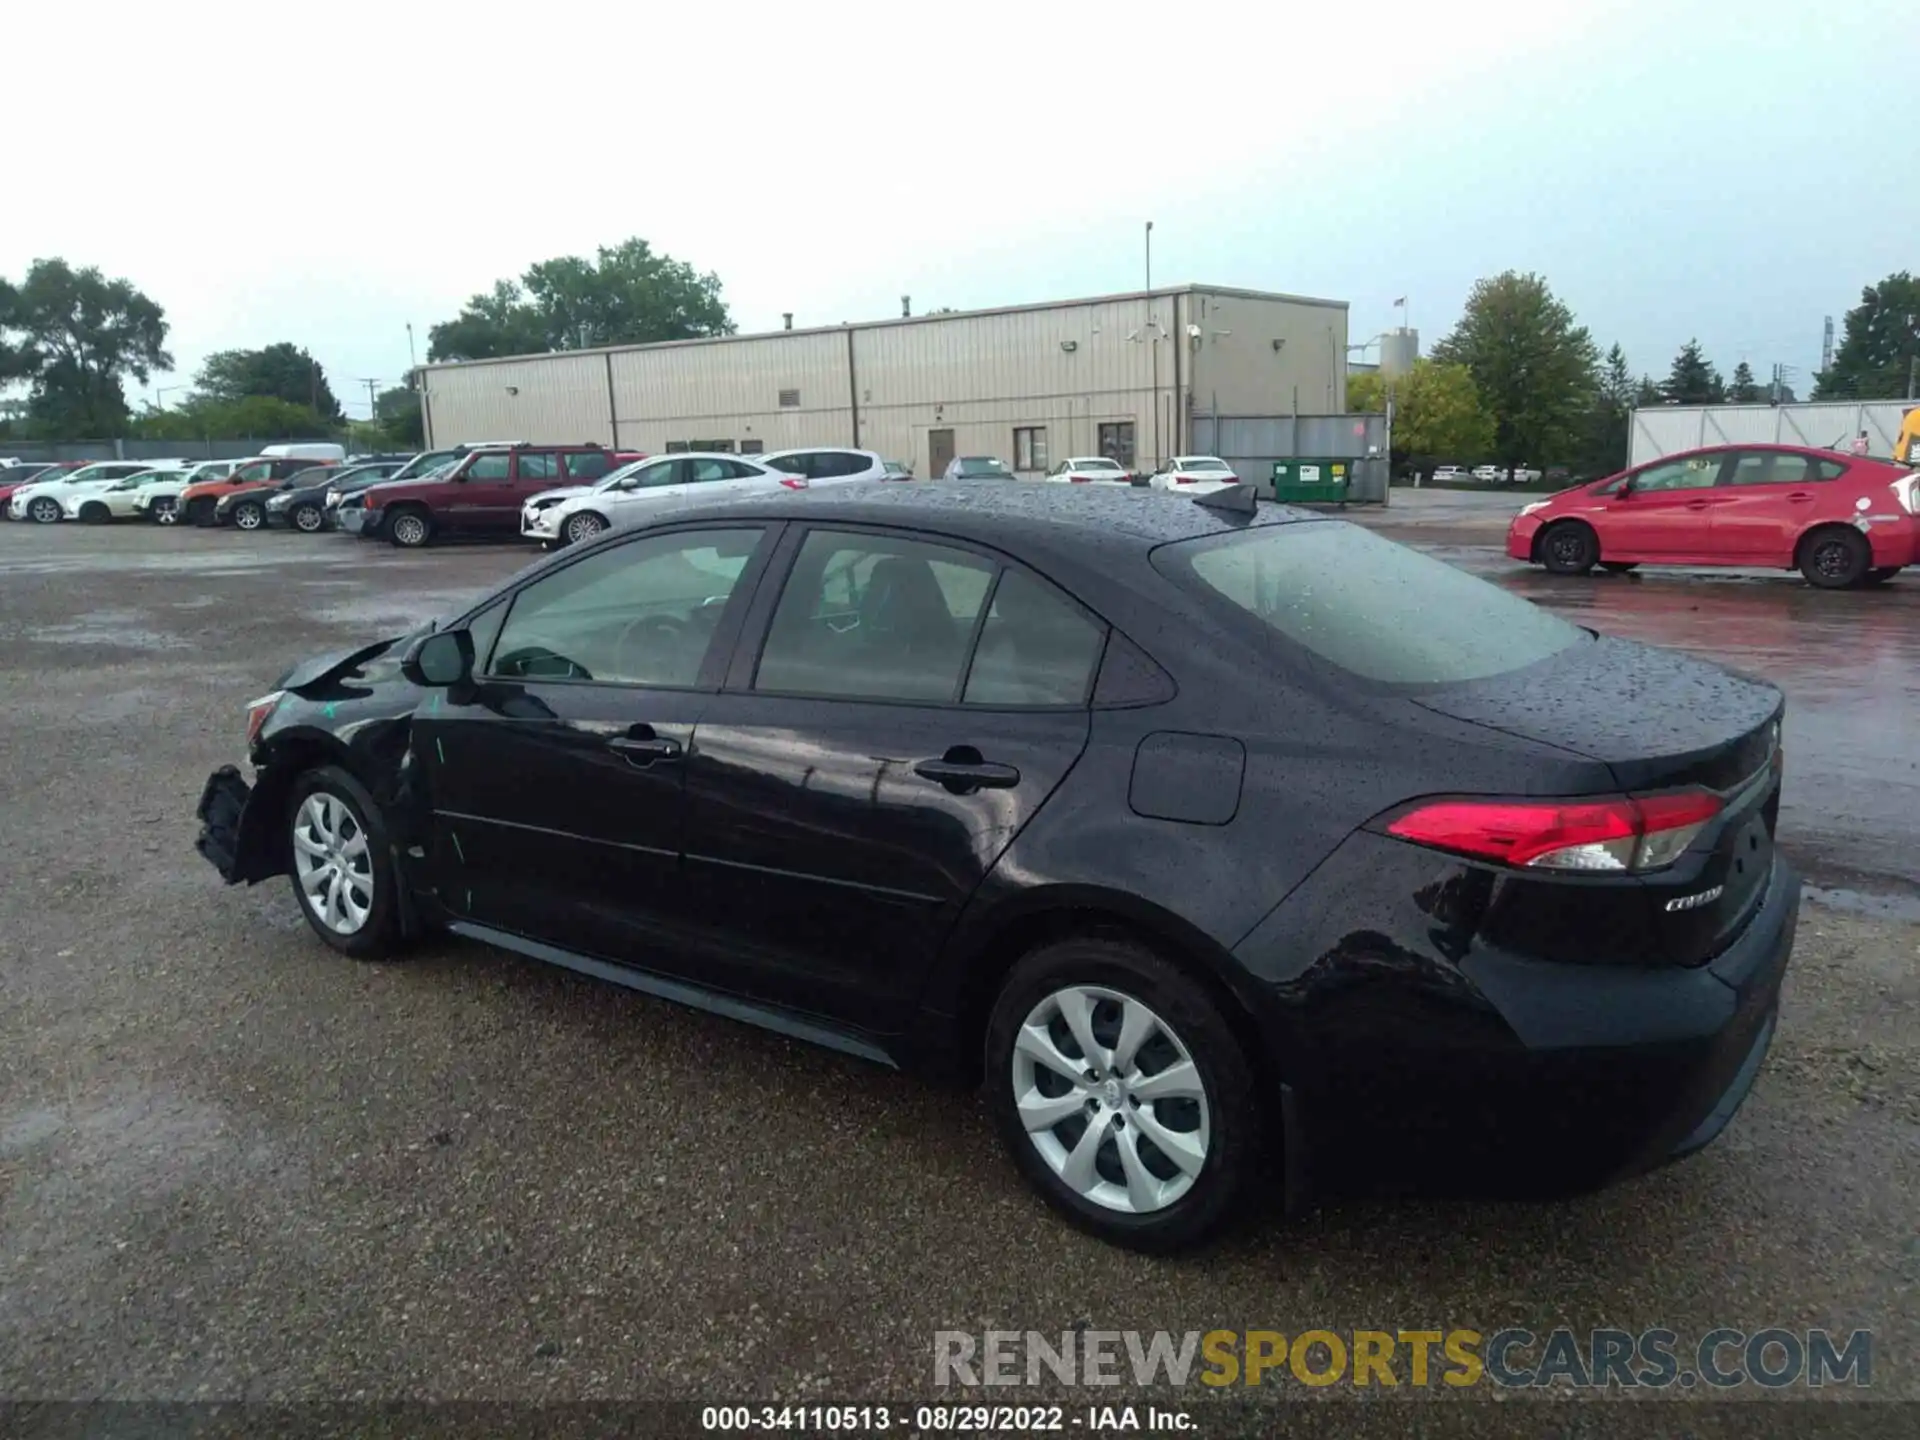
1252, 443
730, 390
1235, 369
1665, 429
556, 399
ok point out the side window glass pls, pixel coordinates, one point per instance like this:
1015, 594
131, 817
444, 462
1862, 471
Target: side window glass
589, 465
706, 471
1699, 473
1773, 467
539, 465
874, 617
1037, 647
744, 472
493, 466
642, 613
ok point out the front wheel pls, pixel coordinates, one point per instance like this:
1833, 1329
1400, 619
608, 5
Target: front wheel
409, 530
166, 511
1836, 558
1570, 548
249, 515
583, 527
342, 868
1123, 1094
308, 519
44, 510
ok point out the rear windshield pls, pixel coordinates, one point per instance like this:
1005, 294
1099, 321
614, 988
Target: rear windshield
1372, 608
1096, 465
1197, 466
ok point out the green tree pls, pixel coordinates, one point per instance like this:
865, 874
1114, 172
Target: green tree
1743, 390
1439, 414
1878, 344
625, 295
1606, 450
1533, 367
251, 417
1693, 380
283, 371
73, 337
1366, 393
1646, 393
398, 413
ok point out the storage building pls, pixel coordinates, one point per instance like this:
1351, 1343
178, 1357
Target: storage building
1121, 375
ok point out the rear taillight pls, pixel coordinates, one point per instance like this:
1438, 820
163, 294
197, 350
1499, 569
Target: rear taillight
1183, 479
258, 711
1079, 479
794, 482
1615, 834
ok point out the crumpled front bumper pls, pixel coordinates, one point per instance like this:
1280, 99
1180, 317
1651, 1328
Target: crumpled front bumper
235, 826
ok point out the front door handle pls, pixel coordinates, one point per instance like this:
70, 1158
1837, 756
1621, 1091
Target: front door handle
645, 750
1799, 497
963, 771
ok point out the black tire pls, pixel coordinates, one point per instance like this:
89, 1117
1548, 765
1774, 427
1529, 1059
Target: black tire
1234, 1121
201, 512
410, 528
249, 515
379, 938
95, 513
1570, 548
582, 527
307, 519
1619, 567
1835, 557
1877, 578
43, 510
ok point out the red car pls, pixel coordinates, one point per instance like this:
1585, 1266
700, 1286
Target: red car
1840, 520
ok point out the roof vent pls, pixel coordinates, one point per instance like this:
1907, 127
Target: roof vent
1241, 499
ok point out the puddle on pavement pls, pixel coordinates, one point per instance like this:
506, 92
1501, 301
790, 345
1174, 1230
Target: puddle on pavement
91, 630
1854, 902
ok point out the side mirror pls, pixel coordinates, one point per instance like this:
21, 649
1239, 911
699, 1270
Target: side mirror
443, 658
1625, 492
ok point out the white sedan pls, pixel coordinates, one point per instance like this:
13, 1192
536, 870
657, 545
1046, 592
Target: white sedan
1194, 475
1089, 470
121, 499
643, 488
157, 496
45, 501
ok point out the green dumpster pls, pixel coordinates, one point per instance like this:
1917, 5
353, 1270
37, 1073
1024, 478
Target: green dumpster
1311, 481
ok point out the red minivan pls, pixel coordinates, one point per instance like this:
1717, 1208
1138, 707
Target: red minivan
1840, 520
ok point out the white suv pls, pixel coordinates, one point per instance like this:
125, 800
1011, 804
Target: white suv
644, 488
44, 501
120, 499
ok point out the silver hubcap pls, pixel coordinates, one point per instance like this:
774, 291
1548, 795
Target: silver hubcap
582, 527
408, 530
246, 517
1111, 1099
307, 518
163, 511
45, 511
333, 862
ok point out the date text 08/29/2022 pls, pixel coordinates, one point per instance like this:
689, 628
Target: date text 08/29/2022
941, 1419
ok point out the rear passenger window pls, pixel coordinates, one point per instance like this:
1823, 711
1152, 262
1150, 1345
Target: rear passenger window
539, 465
592, 465
1037, 647
874, 617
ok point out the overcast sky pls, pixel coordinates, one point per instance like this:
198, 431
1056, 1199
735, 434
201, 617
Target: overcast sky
327, 173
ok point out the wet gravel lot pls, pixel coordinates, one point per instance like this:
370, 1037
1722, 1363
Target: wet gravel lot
235, 1165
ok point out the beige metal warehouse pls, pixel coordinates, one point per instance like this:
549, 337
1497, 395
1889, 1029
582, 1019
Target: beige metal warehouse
1120, 375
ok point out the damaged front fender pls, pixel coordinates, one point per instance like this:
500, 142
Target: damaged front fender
237, 834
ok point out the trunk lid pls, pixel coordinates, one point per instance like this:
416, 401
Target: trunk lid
1658, 720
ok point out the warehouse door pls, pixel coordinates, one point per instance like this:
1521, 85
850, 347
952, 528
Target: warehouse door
939, 453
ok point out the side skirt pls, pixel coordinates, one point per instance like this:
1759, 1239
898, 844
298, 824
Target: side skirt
767, 1017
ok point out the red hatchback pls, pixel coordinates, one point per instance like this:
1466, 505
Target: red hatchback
1840, 520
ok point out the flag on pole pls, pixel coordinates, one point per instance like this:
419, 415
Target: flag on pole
1401, 302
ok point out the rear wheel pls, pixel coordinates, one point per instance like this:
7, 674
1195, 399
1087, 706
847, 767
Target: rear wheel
308, 519
1835, 558
95, 512
410, 529
43, 510
1570, 548
249, 515
1123, 1093
583, 527
1883, 574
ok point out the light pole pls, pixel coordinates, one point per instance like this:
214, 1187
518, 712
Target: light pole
1153, 346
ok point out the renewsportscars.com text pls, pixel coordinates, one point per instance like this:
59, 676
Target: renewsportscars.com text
1658, 1358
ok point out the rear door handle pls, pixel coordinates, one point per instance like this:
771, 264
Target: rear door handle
964, 772
645, 750
1799, 497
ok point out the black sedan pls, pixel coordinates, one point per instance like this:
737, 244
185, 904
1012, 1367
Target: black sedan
1209, 833
302, 505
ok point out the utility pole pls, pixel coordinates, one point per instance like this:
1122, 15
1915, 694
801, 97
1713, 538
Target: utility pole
373, 405
1153, 345
413, 361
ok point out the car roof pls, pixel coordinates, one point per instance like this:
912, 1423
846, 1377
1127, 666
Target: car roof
810, 449
1091, 459
1117, 518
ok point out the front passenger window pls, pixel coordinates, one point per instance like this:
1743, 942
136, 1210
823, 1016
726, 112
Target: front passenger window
641, 613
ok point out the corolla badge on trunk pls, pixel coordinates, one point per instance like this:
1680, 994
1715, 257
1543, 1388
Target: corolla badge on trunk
1694, 902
